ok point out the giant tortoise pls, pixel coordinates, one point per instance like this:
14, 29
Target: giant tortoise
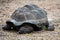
27, 19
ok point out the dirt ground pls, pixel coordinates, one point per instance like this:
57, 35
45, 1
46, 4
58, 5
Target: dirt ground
52, 7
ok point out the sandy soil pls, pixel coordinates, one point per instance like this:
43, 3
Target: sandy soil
52, 7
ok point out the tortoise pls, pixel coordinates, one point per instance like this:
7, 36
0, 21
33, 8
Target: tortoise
27, 19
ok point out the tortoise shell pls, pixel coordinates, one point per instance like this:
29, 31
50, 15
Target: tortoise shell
29, 13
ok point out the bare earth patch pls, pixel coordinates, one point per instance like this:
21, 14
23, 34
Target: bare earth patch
52, 7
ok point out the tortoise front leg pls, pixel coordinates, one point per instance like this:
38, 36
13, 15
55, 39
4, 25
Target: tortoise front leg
25, 29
